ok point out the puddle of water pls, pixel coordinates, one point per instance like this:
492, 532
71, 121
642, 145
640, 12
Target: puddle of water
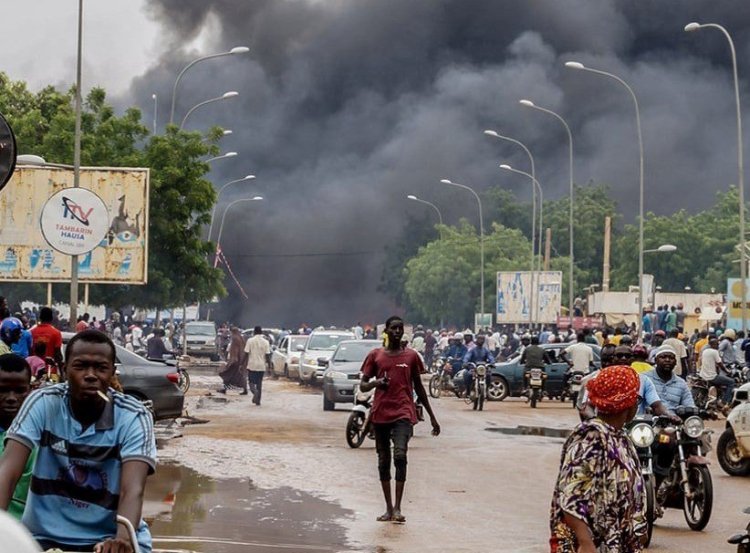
532, 431
189, 512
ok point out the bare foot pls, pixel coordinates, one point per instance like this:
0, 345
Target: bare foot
385, 517
398, 517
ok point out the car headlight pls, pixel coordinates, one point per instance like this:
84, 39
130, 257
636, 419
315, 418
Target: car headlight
335, 375
693, 426
642, 434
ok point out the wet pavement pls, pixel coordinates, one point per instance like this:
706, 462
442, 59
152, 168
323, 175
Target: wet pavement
191, 512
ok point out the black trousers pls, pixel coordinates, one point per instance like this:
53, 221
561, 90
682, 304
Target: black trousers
255, 378
399, 432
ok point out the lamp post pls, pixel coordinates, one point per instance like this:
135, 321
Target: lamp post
533, 212
440, 215
154, 98
581, 67
530, 104
235, 50
213, 212
664, 248
534, 184
740, 168
225, 96
224, 216
223, 156
481, 241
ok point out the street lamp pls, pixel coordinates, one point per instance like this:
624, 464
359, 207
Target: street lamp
533, 204
481, 241
530, 104
579, 66
534, 184
235, 50
664, 248
694, 26
440, 215
213, 213
228, 154
223, 217
225, 96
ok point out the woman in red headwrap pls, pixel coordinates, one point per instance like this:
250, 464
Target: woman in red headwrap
598, 502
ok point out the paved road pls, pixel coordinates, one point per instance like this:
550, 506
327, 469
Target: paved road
469, 490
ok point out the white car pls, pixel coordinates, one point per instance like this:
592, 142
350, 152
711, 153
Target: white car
285, 358
318, 351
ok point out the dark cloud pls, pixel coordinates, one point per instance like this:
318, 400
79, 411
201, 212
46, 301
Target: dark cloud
346, 107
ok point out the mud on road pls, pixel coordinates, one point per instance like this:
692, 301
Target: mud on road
483, 485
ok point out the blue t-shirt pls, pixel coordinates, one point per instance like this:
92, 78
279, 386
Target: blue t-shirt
647, 394
23, 346
75, 485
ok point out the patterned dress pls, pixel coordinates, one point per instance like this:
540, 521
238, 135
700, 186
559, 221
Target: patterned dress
600, 483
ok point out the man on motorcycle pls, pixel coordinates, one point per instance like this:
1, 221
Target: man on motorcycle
455, 351
711, 367
480, 354
726, 347
674, 392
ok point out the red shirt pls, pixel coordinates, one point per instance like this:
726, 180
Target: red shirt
397, 401
45, 332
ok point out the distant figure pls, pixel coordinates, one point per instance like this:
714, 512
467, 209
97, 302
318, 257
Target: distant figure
45, 332
257, 348
83, 323
155, 346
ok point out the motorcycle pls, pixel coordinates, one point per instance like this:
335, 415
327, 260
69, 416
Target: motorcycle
742, 540
688, 486
641, 434
535, 385
705, 395
572, 387
441, 381
478, 392
733, 447
359, 425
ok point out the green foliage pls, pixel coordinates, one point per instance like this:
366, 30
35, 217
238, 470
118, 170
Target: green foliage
181, 198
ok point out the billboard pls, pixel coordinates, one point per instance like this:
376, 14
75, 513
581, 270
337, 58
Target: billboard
514, 296
120, 258
734, 302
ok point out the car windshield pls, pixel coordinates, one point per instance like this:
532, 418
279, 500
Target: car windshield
354, 352
201, 330
296, 341
327, 341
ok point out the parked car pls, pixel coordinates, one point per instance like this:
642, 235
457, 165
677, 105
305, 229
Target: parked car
507, 379
153, 381
271, 334
285, 358
318, 350
201, 339
343, 371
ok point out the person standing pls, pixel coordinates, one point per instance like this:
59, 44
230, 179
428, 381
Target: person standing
256, 349
429, 348
670, 320
83, 323
598, 502
234, 372
394, 373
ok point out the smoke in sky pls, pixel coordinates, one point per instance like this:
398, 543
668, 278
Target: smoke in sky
346, 107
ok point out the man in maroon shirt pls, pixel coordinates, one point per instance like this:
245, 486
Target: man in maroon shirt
395, 374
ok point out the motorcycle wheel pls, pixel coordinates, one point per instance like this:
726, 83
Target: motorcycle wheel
699, 397
574, 399
648, 482
184, 382
698, 509
355, 429
481, 398
730, 456
435, 386
533, 399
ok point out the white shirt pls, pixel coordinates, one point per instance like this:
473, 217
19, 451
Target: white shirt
709, 359
581, 355
257, 347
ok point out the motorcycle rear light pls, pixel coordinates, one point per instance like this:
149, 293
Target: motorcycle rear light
173, 377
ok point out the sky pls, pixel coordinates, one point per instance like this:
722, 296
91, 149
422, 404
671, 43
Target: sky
345, 107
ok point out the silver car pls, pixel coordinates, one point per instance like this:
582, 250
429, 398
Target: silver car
285, 358
343, 371
314, 359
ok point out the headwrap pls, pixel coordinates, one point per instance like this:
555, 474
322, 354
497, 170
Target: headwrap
614, 389
665, 349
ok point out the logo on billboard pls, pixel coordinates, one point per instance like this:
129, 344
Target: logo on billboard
81, 224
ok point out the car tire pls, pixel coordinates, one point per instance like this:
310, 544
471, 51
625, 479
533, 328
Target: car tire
215, 357
498, 389
286, 370
729, 455
328, 405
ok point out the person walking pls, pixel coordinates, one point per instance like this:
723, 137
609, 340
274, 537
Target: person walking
394, 373
256, 349
598, 502
234, 372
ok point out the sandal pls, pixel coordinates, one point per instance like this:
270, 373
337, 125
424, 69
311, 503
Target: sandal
385, 517
399, 518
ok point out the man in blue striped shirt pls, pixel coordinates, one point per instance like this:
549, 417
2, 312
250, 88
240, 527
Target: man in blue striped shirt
95, 449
